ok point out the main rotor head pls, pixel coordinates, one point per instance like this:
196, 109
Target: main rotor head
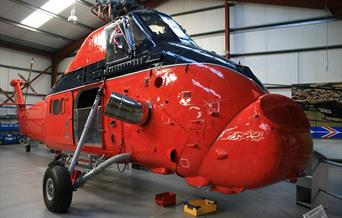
109, 10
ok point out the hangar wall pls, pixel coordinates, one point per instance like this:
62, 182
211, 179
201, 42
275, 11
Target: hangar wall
206, 27
13, 62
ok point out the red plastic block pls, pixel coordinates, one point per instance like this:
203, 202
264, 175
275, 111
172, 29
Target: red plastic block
166, 199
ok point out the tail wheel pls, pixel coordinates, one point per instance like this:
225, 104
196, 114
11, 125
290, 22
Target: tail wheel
57, 189
22, 141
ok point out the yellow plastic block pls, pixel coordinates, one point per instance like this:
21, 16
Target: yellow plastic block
198, 207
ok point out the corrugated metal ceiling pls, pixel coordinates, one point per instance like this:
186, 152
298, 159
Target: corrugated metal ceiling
12, 12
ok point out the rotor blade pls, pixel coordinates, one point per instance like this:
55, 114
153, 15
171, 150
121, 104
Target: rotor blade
31, 64
22, 77
29, 77
32, 89
35, 78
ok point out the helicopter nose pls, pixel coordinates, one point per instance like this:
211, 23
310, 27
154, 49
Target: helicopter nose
267, 142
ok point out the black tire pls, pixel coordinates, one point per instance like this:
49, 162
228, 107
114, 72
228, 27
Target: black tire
22, 141
57, 189
27, 148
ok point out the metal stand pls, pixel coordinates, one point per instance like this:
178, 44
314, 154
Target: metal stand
311, 189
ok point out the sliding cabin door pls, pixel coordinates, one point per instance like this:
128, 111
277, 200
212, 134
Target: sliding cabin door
58, 123
83, 103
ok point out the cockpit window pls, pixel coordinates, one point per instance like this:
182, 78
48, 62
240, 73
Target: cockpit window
140, 37
164, 28
117, 46
175, 28
158, 28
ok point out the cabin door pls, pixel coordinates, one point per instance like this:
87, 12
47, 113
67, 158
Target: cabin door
59, 120
83, 103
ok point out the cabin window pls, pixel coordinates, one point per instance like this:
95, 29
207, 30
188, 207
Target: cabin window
50, 107
62, 106
55, 107
117, 45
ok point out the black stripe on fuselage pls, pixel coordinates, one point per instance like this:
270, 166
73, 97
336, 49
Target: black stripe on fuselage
99, 71
103, 70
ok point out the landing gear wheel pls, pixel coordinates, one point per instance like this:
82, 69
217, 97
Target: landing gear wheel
21, 141
27, 148
57, 189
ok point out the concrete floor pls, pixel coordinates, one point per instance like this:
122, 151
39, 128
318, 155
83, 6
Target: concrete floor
131, 194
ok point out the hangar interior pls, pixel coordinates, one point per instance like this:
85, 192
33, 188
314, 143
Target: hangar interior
285, 43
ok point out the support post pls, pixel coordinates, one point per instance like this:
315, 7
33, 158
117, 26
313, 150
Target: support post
227, 29
53, 72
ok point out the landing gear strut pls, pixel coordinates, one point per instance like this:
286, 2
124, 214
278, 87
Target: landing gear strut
59, 181
28, 147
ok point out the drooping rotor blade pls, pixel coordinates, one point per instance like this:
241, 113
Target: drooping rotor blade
32, 89
28, 80
22, 77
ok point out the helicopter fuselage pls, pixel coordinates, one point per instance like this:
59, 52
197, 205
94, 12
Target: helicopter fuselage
210, 120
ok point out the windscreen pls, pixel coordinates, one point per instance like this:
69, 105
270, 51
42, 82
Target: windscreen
117, 46
164, 28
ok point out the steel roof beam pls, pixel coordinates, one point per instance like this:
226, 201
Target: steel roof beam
315, 4
10, 94
26, 69
19, 42
335, 6
23, 48
154, 3
85, 3
23, 26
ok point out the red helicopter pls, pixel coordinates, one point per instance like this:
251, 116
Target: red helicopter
140, 90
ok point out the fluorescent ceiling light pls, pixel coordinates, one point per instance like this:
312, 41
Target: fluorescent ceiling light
38, 18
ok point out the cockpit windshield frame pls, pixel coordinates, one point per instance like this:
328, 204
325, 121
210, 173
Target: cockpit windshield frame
173, 33
121, 24
176, 32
